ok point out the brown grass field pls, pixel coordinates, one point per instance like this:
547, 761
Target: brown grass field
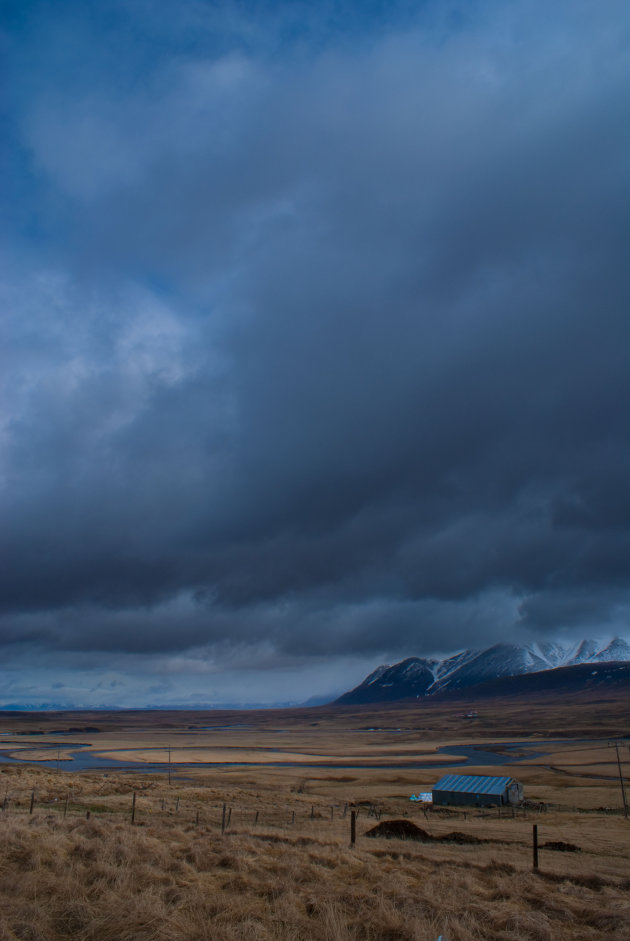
283, 867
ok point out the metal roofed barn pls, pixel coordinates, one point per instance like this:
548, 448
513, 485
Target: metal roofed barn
477, 789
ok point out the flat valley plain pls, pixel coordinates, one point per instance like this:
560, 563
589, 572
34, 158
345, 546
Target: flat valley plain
241, 823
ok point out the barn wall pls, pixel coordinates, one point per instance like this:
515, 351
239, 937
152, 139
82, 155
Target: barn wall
515, 793
468, 799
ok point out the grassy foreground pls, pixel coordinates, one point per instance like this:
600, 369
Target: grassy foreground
284, 867
279, 864
104, 879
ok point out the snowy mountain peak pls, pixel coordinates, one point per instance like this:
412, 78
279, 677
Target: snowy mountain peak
617, 649
377, 674
424, 677
444, 668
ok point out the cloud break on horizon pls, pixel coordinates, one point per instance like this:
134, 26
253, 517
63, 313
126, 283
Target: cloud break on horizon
316, 331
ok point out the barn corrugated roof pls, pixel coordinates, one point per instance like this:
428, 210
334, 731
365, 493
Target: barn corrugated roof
472, 784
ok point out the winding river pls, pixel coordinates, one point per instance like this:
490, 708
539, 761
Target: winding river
474, 755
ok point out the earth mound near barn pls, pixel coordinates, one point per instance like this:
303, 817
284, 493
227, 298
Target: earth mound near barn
457, 837
407, 830
399, 830
561, 847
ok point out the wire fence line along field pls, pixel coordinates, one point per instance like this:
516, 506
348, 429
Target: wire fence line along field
272, 859
171, 878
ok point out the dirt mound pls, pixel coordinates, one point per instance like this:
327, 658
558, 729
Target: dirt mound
406, 830
561, 847
399, 830
458, 837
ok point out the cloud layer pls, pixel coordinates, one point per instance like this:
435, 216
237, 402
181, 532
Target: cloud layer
318, 330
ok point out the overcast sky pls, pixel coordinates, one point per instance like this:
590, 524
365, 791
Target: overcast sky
316, 340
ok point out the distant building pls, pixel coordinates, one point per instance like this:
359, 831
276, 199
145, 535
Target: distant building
476, 790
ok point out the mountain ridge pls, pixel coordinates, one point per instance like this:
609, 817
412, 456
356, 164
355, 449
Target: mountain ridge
418, 677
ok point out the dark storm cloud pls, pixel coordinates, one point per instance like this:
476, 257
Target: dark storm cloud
321, 342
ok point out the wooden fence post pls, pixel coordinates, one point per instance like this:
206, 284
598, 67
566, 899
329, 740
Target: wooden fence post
256, 817
353, 827
312, 811
223, 820
32, 801
133, 809
229, 819
535, 844
65, 806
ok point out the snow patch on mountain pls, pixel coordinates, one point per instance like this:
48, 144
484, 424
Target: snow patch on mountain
376, 675
617, 649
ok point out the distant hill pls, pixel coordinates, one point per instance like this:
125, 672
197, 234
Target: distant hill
416, 677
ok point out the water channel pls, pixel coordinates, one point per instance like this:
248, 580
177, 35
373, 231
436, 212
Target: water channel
474, 755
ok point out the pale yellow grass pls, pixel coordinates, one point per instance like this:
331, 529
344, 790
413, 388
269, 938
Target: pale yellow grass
167, 879
284, 868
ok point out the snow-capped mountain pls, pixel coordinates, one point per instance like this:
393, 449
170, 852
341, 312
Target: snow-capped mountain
416, 676
413, 675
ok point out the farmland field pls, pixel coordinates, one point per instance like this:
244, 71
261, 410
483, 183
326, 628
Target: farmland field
241, 823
